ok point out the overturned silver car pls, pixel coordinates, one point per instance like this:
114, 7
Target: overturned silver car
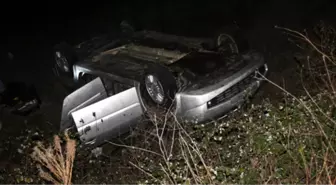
199, 79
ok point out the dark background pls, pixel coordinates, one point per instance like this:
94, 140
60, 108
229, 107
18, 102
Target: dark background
30, 29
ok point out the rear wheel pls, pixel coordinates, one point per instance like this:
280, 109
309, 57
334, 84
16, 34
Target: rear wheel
231, 40
64, 59
159, 86
226, 44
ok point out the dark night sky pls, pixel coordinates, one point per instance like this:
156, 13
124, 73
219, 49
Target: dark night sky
55, 20
30, 29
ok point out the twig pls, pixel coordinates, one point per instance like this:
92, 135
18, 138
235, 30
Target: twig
136, 148
306, 39
142, 170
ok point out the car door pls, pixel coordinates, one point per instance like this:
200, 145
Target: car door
91, 92
98, 117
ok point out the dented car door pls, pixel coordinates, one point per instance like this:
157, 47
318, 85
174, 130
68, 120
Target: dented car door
105, 117
90, 93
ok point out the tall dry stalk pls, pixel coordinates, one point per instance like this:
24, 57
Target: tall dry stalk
185, 147
325, 50
59, 161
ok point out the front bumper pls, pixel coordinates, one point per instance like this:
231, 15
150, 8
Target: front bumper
199, 105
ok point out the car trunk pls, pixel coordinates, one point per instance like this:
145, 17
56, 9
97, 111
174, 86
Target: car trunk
203, 69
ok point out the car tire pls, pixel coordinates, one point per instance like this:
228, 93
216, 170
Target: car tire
240, 43
65, 78
167, 81
64, 57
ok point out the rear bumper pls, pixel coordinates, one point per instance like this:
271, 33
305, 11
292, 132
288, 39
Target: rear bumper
198, 106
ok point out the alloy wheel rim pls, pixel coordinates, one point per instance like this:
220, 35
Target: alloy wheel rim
61, 61
154, 89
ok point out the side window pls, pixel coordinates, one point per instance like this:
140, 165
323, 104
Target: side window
114, 87
108, 86
86, 78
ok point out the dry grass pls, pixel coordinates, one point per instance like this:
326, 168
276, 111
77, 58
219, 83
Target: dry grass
58, 160
317, 57
170, 141
317, 73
